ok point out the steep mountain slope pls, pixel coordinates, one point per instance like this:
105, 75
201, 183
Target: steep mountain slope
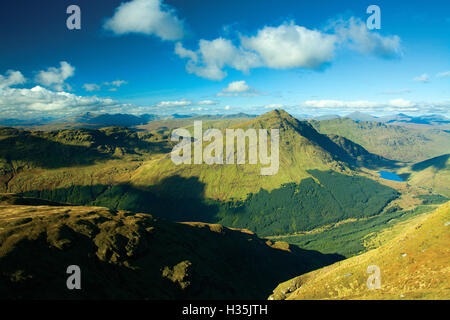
414, 261
136, 256
389, 141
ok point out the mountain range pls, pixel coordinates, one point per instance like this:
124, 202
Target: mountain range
107, 195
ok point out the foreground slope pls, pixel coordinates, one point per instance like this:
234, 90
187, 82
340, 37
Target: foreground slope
414, 262
136, 256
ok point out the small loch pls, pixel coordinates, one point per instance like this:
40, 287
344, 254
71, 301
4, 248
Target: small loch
389, 176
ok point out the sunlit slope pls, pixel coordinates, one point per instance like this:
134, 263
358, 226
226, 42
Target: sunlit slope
414, 264
302, 148
136, 256
433, 174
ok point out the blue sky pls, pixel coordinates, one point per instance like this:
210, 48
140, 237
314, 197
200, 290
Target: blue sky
200, 56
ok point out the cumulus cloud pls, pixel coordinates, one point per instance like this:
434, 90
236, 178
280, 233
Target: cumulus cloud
422, 78
213, 56
291, 46
39, 101
354, 33
238, 89
284, 47
55, 77
150, 17
11, 78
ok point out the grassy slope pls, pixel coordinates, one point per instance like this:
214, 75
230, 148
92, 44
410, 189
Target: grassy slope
414, 259
135, 256
432, 174
392, 142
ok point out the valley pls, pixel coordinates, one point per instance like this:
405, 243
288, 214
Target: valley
328, 197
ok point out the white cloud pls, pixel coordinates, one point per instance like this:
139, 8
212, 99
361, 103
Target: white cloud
443, 74
274, 106
339, 104
55, 77
422, 78
354, 33
284, 47
291, 46
185, 53
91, 87
207, 103
150, 17
174, 103
11, 78
39, 101
238, 89
401, 103
213, 56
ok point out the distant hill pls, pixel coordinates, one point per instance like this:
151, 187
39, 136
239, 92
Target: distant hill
136, 256
389, 141
118, 119
402, 119
327, 117
360, 116
413, 260
397, 119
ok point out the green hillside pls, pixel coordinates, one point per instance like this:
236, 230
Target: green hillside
392, 142
133, 171
433, 174
413, 259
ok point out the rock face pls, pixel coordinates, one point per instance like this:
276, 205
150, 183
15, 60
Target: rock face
136, 256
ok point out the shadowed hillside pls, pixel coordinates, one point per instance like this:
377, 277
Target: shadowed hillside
136, 256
